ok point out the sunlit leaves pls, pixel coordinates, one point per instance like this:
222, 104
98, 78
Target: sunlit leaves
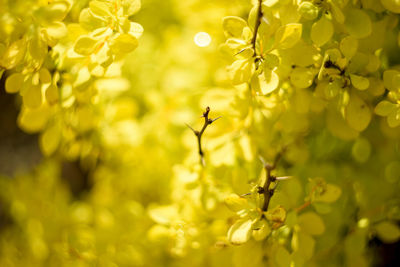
288, 35
13, 55
85, 45
233, 26
235, 203
14, 83
50, 139
261, 230
124, 43
358, 23
240, 231
241, 71
321, 31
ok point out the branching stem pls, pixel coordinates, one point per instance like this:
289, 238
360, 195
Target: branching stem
268, 193
199, 134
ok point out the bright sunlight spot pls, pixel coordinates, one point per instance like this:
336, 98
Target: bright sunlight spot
202, 39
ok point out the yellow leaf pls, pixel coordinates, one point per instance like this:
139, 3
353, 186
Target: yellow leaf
311, 223
33, 121
13, 55
322, 31
136, 29
288, 35
33, 96
233, 26
101, 9
241, 71
235, 202
261, 230
277, 215
52, 94
14, 83
130, 6
50, 139
394, 118
85, 45
330, 194
357, 23
163, 214
359, 82
44, 75
89, 21
124, 43
240, 231
358, 114
388, 232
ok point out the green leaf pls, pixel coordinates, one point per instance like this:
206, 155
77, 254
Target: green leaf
288, 35
311, 223
233, 26
388, 232
240, 231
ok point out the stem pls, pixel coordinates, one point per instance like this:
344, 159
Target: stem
199, 134
268, 193
302, 207
258, 22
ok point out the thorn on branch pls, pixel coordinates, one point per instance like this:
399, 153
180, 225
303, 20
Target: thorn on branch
199, 134
266, 191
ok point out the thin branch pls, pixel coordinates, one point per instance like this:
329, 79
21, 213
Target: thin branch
302, 207
199, 134
258, 22
270, 178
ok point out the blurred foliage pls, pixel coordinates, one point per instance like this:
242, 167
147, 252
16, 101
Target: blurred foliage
302, 169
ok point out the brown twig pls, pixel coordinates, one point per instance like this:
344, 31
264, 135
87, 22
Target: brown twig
199, 134
268, 193
256, 26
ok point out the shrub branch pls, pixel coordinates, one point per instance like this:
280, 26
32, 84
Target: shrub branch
199, 134
266, 191
256, 26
